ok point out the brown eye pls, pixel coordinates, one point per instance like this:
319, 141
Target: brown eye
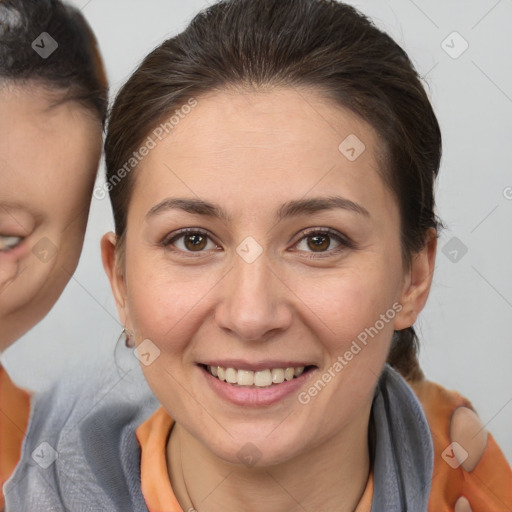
323, 242
189, 241
318, 243
195, 242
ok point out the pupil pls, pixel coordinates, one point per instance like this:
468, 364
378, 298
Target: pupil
319, 242
195, 242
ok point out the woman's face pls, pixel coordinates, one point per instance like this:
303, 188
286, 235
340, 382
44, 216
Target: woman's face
48, 162
291, 260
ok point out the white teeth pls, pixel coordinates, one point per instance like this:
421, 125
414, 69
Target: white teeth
245, 378
231, 375
277, 375
9, 242
261, 379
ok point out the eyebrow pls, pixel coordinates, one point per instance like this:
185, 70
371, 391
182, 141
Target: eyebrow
287, 210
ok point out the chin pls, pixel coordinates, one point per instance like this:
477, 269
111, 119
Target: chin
257, 450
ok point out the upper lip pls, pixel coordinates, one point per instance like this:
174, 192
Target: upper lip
255, 366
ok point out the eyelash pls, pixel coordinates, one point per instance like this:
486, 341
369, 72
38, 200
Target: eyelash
345, 242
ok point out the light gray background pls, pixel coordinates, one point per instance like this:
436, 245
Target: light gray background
466, 327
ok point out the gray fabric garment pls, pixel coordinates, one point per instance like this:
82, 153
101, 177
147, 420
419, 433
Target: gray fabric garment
92, 427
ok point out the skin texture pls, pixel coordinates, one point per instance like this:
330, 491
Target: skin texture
250, 153
48, 161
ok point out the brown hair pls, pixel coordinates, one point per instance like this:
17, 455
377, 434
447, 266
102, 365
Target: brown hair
325, 45
73, 72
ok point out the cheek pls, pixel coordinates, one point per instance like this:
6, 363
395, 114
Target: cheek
33, 290
346, 302
352, 315
163, 304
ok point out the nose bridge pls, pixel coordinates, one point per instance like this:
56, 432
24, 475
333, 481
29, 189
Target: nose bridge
251, 305
252, 280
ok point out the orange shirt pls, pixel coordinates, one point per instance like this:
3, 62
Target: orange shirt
488, 488
156, 486
14, 415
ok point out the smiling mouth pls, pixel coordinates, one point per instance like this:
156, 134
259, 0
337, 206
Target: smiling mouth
9, 242
258, 379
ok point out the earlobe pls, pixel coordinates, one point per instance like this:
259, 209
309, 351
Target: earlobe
114, 274
417, 283
405, 318
108, 246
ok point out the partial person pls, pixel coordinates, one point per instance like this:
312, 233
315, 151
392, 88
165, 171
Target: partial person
53, 102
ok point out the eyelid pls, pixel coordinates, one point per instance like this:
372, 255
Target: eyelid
344, 241
168, 241
184, 231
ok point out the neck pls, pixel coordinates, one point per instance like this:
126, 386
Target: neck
330, 476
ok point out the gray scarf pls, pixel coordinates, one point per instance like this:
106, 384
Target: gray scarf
90, 428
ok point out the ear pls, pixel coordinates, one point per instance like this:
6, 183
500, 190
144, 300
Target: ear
115, 275
417, 283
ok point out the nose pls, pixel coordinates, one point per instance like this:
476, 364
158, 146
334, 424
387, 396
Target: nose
254, 304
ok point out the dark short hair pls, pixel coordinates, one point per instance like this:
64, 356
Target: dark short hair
74, 70
324, 45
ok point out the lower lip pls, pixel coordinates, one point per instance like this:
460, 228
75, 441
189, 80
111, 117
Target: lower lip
253, 396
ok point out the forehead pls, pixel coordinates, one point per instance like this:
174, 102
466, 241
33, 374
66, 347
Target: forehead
33, 123
38, 106
264, 146
46, 150
267, 119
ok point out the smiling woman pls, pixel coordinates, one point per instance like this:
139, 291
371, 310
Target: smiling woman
52, 107
278, 243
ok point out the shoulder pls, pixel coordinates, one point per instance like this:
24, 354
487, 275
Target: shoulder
471, 473
80, 450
